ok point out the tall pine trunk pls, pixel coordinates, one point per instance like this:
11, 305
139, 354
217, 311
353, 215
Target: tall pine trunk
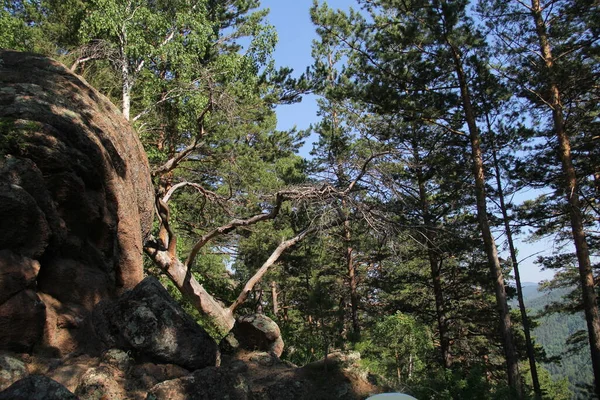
512, 362
571, 189
513, 256
352, 281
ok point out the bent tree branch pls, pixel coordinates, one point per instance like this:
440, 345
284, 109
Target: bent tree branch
164, 256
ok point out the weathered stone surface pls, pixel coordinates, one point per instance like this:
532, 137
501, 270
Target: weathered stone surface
36, 387
17, 273
258, 332
149, 322
229, 344
22, 321
11, 370
87, 286
102, 382
252, 375
147, 375
68, 371
75, 187
118, 359
66, 329
204, 384
28, 232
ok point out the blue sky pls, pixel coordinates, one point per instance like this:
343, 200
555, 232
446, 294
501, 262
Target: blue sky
296, 32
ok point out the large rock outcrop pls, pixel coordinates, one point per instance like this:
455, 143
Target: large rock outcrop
76, 203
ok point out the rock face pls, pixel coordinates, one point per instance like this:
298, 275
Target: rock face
147, 321
76, 203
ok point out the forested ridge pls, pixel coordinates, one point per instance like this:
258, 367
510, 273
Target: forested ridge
448, 130
552, 332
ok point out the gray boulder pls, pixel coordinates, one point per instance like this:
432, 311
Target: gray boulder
37, 387
11, 370
258, 332
147, 321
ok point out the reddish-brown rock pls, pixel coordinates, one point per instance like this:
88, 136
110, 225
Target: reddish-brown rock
17, 273
75, 197
22, 321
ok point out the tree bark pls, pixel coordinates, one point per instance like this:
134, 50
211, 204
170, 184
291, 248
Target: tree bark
571, 189
185, 282
512, 362
515, 263
274, 298
352, 279
125, 74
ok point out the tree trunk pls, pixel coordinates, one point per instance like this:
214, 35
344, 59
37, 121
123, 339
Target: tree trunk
274, 298
434, 263
398, 367
125, 75
259, 305
513, 255
571, 189
126, 97
220, 316
351, 268
512, 362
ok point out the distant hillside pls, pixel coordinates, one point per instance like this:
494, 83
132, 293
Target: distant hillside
552, 333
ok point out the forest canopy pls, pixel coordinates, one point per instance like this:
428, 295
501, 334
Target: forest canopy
448, 129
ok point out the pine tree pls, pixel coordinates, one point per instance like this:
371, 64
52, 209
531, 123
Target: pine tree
552, 65
423, 50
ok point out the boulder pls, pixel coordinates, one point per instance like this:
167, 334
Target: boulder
148, 322
102, 382
147, 375
36, 387
204, 384
11, 370
75, 186
257, 332
68, 371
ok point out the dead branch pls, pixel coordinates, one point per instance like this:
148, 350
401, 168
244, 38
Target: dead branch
166, 234
249, 286
236, 223
95, 50
207, 193
172, 163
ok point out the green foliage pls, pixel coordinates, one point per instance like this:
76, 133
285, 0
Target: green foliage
15, 34
406, 262
556, 388
397, 348
553, 332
